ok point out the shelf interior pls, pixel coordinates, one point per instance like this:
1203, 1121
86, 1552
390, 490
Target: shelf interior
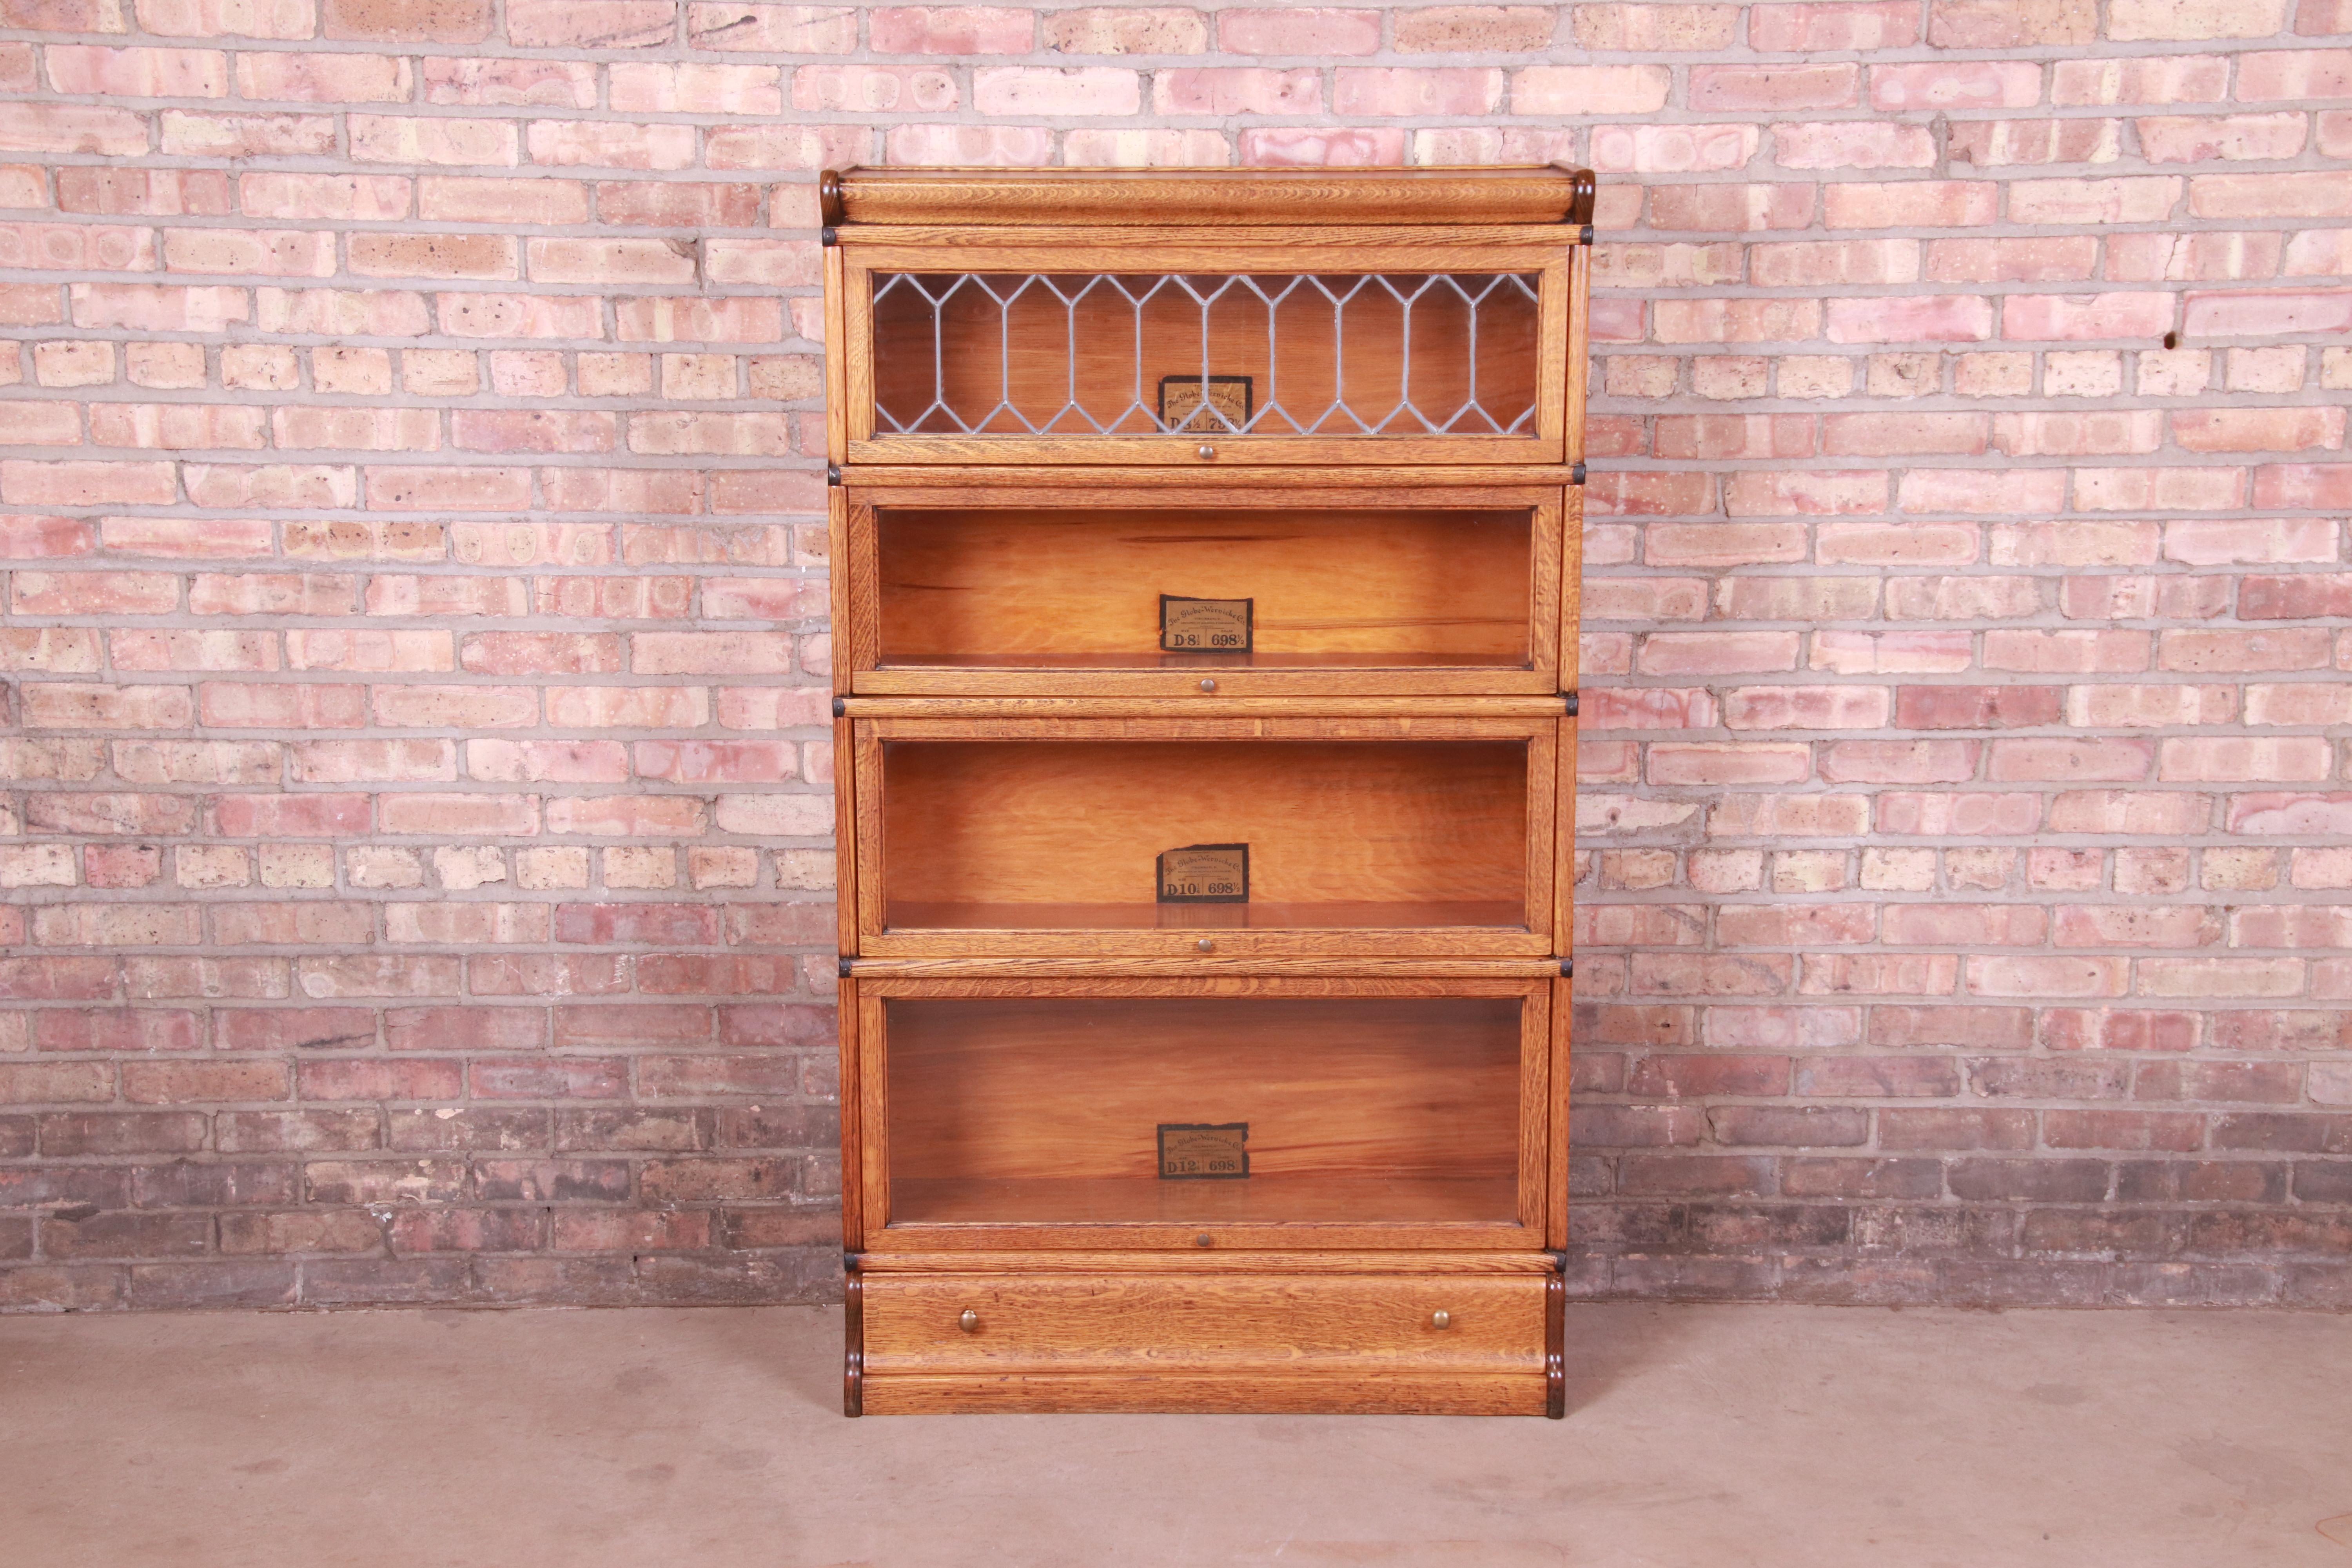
1047, 1111
1081, 587
1039, 834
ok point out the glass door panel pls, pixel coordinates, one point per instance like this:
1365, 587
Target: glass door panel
1077, 835
1112, 588
1203, 1110
1205, 354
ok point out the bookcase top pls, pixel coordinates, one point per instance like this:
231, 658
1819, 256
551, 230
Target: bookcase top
1138, 198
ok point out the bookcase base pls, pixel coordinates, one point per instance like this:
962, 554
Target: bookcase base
1181, 1392
1408, 1343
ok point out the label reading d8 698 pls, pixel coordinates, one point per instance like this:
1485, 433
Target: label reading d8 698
1205, 873
1204, 625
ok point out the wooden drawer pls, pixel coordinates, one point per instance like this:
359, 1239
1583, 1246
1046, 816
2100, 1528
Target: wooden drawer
1204, 1342
1232, 1322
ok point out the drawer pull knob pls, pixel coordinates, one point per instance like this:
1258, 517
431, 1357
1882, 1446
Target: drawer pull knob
969, 1321
1207, 453
1208, 684
1440, 1319
1205, 945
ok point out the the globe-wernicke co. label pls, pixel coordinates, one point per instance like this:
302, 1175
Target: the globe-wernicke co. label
1205, 625
1206, 404
1204, 1150
1205, 873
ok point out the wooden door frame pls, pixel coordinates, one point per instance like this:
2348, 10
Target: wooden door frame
1548, 251
865, 1182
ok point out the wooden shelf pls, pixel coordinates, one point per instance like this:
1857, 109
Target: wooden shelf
1159, 198
1010, 587
1001, 824
911, 915
1358, 1198
1199, 663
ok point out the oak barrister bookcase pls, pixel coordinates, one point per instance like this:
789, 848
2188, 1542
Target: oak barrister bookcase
1205, 554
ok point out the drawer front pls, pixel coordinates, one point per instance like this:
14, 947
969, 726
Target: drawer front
1192, 1323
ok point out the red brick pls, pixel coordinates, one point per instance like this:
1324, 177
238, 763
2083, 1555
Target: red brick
121, 1133
951, 30
610, 923
118, 1029
2012, 23
1969, 84
1816, 28
1775, 88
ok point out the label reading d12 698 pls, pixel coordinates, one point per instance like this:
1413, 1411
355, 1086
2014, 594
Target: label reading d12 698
1205, 873
1204, 625
1204, 1150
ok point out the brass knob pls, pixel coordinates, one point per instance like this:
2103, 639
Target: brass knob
1440, 1319
1205, 945
969, 1321
1207, 452
1208, 683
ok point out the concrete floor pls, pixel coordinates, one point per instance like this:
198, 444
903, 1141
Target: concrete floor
711, 1438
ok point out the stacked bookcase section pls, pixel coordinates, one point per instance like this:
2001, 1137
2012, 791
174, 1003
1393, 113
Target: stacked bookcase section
1206, 555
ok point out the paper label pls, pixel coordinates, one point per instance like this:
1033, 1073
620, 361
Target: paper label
1205, 625
1206, 406
1204, 1150
1205, 873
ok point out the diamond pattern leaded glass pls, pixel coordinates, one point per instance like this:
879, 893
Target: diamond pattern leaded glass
1303, 354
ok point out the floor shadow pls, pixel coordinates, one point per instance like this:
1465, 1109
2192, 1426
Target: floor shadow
1611, 1342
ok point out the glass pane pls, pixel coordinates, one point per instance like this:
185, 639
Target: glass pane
1034, 588
1259, 354
1068, 1110
1076, 835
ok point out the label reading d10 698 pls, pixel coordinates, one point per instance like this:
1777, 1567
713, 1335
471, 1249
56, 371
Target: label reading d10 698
1204, 625
1204, 1150
1205, 873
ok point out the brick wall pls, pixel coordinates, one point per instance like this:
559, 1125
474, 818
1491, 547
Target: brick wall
415, 876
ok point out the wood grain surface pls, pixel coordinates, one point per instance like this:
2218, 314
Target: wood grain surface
1364, 483
1108, 1323
1216, 714
1014, 750
1451, 196
1002, 1065
1033, 966
1082, 586
1346, 1391
1194, 1261
1032, 589
1390, 834
1363, 1099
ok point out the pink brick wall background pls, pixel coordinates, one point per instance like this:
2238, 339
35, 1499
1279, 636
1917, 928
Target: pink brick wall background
416, 796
